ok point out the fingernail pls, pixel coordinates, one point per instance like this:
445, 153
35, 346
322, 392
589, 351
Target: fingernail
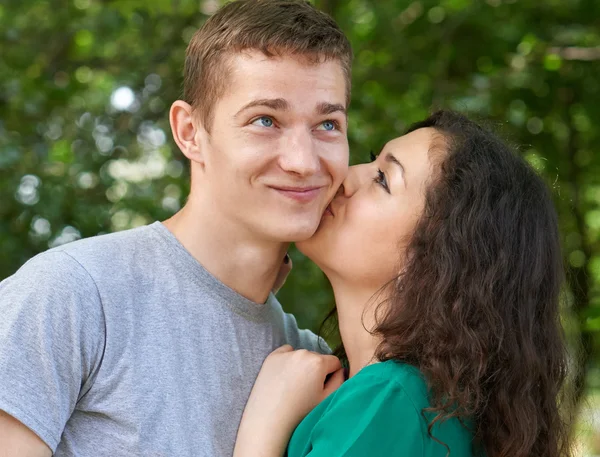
286, 259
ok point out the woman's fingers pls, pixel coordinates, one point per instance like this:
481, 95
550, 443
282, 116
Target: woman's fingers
334, 382
331, 363
283, 349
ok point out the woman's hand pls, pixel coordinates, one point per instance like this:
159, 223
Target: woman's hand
290, 384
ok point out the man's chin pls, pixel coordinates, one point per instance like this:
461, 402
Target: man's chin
297, 228
294, 235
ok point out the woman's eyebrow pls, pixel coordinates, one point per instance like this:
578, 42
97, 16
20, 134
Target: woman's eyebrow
391, 158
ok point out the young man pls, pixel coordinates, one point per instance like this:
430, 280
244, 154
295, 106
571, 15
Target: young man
147, 342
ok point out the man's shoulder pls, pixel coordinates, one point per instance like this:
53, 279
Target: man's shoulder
77, 266
297, 337
313, 342
105, 249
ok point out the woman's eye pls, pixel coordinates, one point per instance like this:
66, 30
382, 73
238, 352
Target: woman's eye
263, 121
382, 180
328, 126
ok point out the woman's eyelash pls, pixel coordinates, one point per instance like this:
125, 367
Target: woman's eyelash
381, 180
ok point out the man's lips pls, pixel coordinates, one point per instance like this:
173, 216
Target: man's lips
300, 194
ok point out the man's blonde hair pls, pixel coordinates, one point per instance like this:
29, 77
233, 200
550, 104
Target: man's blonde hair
274, 27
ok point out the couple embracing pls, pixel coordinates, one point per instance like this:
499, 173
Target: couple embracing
166, 340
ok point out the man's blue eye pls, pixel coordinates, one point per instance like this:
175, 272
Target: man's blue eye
328, 126
264, 121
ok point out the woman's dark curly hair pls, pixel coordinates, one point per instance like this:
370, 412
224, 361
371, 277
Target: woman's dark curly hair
476, 308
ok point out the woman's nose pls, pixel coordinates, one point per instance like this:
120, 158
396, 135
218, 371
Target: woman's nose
353, 180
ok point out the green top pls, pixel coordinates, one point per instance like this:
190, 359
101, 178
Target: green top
378, 412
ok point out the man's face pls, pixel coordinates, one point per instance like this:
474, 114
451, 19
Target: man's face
277, 149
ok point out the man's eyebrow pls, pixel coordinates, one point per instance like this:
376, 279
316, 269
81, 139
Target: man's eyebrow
325, 108
277, 104
390, 158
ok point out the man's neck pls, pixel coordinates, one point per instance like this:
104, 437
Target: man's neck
247, 266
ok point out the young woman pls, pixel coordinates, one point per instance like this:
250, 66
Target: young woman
445, 263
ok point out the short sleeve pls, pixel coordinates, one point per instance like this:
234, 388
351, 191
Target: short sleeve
294, 336
51, 341
373, 417
312, 342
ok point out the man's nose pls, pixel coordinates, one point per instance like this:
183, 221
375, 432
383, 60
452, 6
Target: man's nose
299, 154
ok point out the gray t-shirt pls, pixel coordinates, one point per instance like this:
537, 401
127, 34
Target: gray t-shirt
124, 345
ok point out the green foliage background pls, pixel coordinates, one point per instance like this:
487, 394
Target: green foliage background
72, 164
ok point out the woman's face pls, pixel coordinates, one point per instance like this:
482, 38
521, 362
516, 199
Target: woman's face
363, 232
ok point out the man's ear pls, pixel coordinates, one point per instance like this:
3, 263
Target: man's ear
187, 131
